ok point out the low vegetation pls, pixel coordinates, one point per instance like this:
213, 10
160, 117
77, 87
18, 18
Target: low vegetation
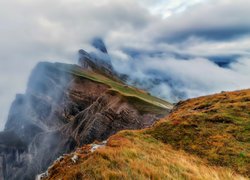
216, 128
203, 138
134, 155
117, 86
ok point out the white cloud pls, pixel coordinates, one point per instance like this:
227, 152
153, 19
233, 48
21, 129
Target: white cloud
186, 78
242, 66
33, 31
166, 8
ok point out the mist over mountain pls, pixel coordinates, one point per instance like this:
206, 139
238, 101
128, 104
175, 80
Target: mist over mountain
116, 89
66, 106
153, 40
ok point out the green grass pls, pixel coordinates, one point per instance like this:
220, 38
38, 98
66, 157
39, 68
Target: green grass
127, 91
216, 128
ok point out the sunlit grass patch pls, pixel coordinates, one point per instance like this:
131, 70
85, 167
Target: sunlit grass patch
214, 127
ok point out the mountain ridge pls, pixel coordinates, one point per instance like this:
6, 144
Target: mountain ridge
66, 106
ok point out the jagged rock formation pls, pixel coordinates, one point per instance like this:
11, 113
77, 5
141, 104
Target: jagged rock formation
99, 44
66, 106
98, 61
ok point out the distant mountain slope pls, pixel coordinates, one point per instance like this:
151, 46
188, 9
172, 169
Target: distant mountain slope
215, 128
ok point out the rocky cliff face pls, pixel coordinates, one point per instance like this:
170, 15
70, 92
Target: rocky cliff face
33, 120
61, 111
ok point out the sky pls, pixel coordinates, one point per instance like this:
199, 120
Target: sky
174, 48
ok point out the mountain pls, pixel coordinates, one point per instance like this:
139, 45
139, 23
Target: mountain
84, 122
67, 106
202, 138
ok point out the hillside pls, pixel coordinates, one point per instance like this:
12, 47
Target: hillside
203, 138
215, 127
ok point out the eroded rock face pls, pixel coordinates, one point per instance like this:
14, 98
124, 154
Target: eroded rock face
58, 113
109, 114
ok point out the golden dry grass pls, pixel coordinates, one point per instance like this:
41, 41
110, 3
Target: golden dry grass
134, 155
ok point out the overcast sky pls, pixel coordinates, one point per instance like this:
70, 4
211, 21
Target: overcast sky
180, 43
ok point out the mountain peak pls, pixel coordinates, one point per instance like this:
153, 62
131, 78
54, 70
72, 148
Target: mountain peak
95, 62
98, 61
99, 45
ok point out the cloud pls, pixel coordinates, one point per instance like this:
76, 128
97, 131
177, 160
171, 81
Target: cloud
54, 31
168, 8
213, 20
187, 78
172, 45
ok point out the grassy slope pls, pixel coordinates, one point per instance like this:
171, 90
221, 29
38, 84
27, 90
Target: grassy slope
132, 94
214, 130
134, 155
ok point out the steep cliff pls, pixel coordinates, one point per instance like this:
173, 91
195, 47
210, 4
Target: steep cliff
67, 106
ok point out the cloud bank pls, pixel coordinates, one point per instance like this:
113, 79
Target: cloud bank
176, 49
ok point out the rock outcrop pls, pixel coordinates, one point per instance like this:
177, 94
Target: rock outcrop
99, 44
98, 61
